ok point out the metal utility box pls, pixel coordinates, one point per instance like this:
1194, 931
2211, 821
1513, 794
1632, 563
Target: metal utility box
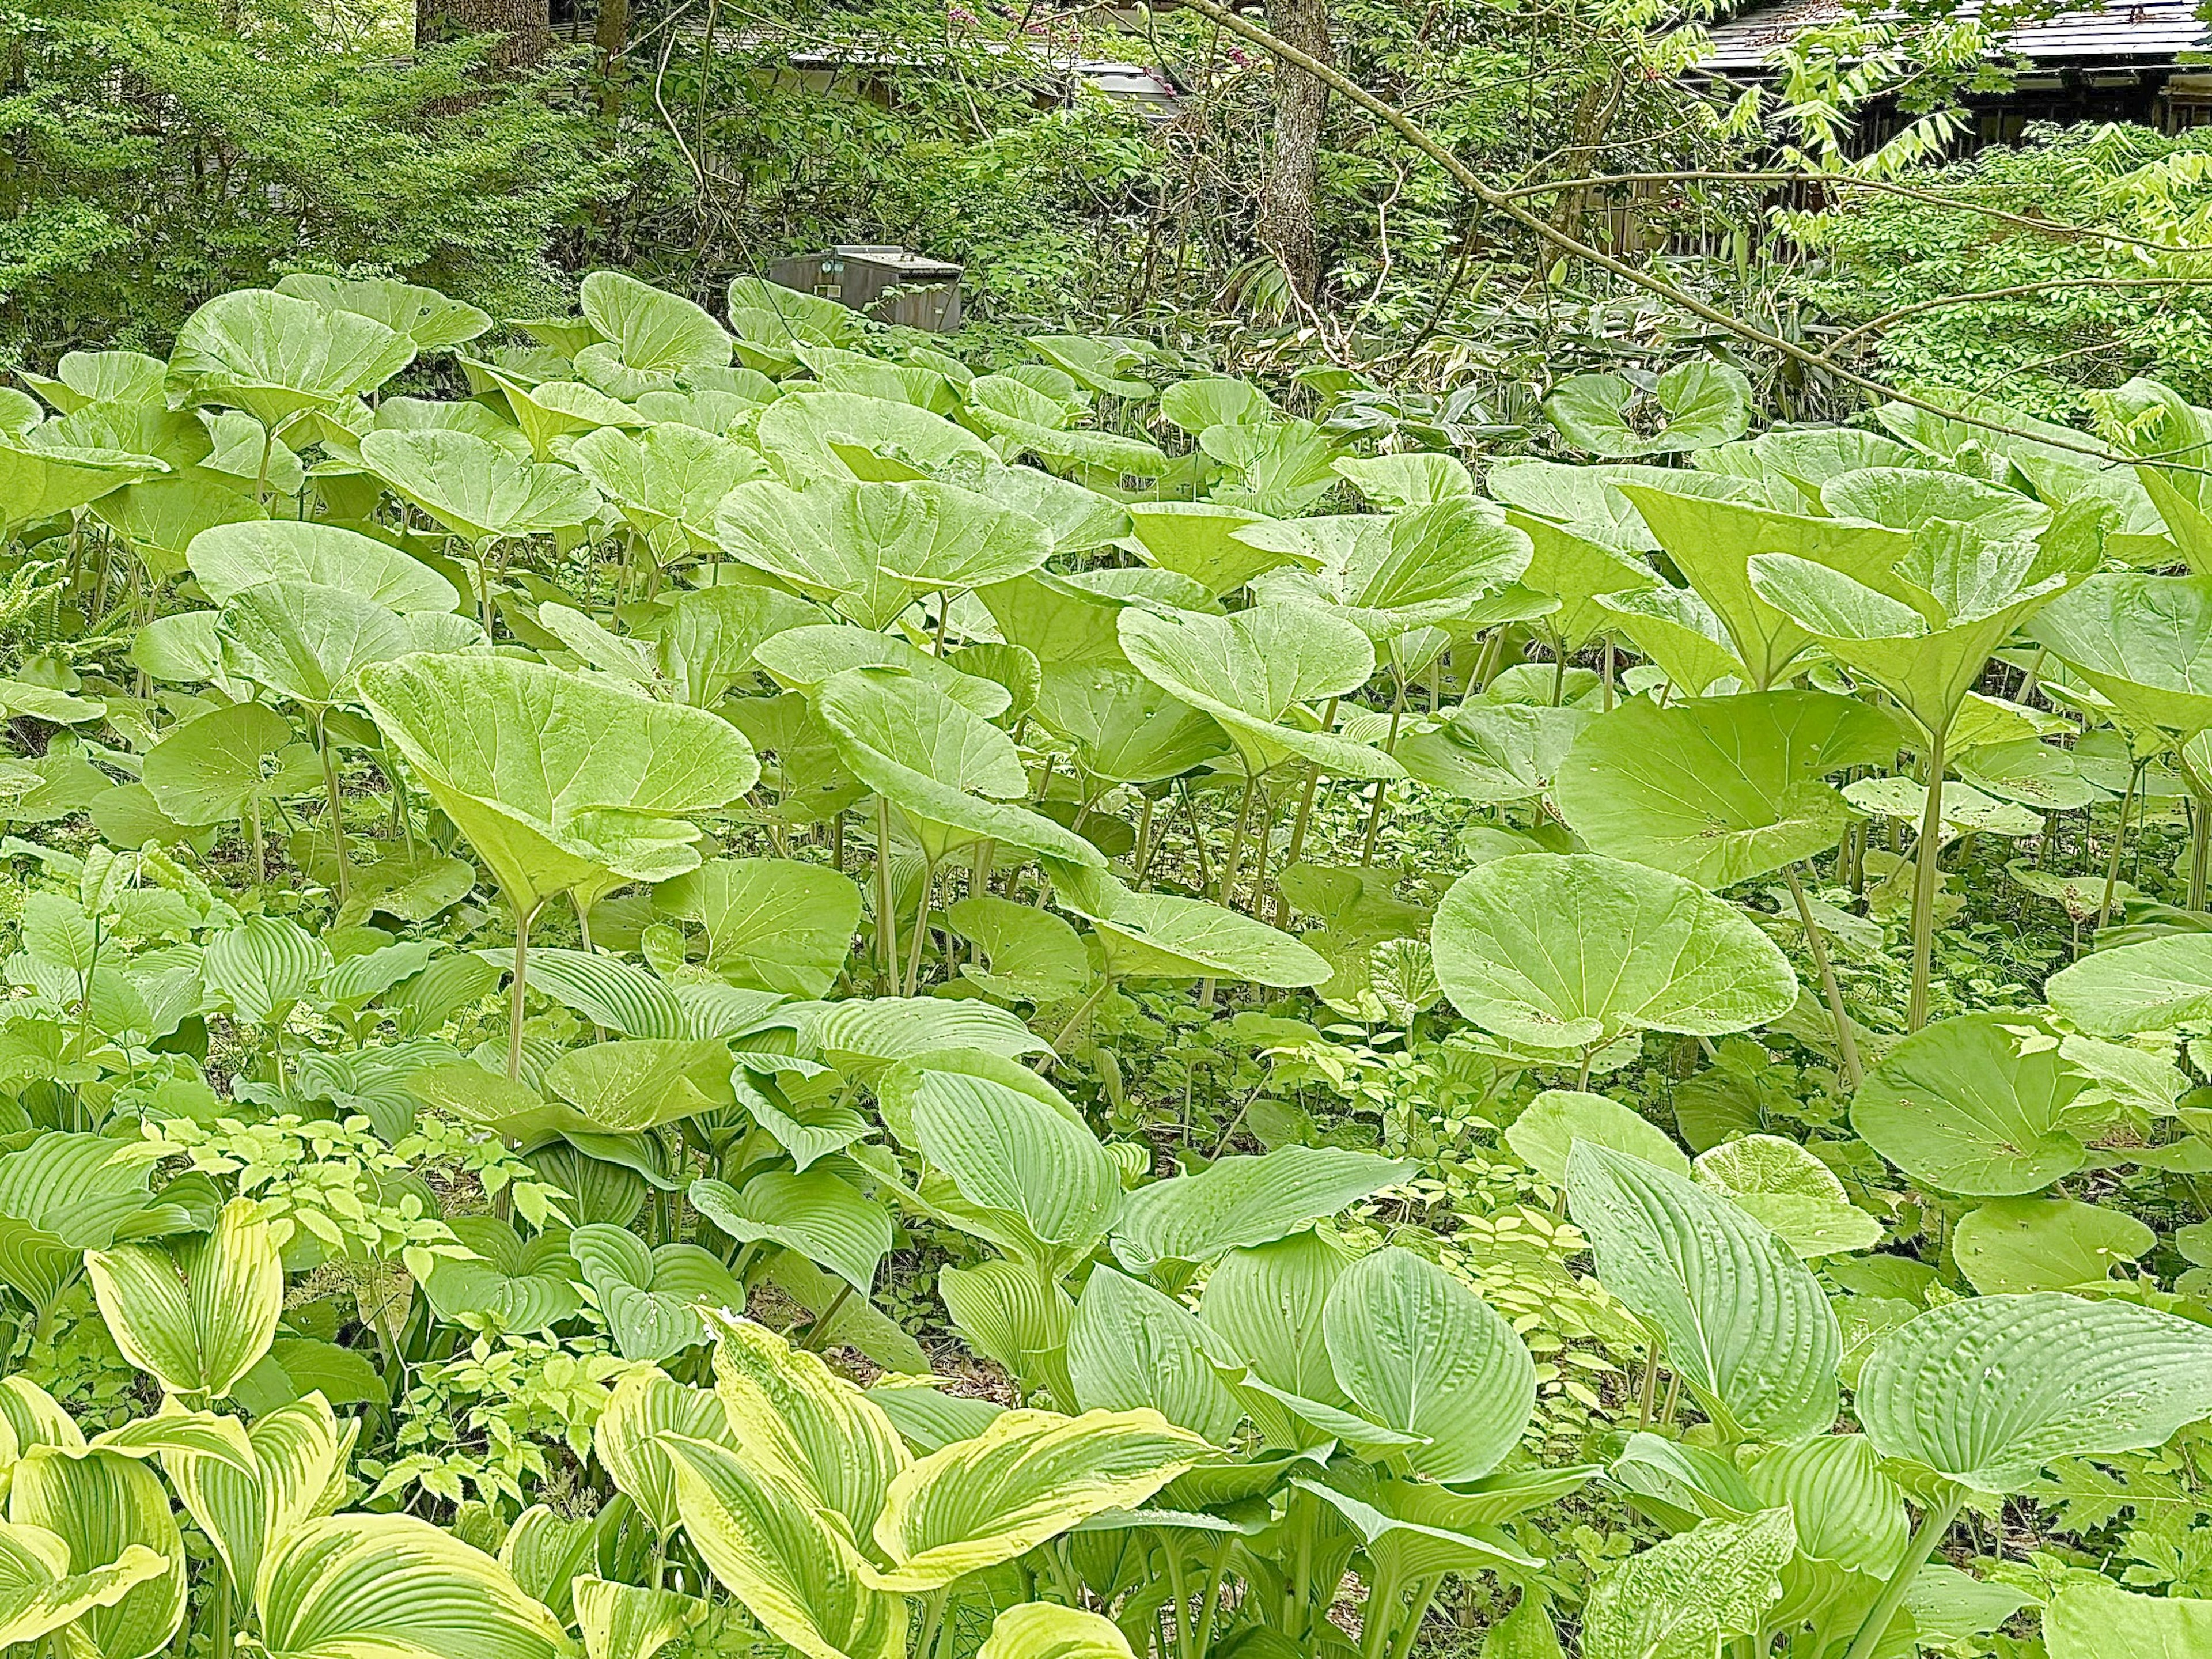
859, 278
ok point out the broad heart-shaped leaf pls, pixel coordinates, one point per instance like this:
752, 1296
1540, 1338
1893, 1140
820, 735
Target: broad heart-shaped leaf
774, 923
1985, 1392
668, 479
60, 1196
1069, 622
306, 641
951, 772
1720, 789
1571, 951
1925, 628
1703, 403
40, 1594
101, 1505
474, 488
2144, 642
802, 658
1029, 1477
631, 1621
1545, 1133
871, 550
206, 769
778, 1551
229, 559
1124, 728
1686, 1596
274, 355
1385, 575
1045, 1630
1976, 1105
1712, 540
655, 331
92, 377
425, 316
1159, 934
159, 517
1030, 953
201, 1318
1744, 1323
2099, 1621
522, 1287
1419, 1352
823, 1218
1043, 1184
37, 484
1254, 672
2150, 987
1129, 1347
1579, 570
2018, 1244
1242, 1201
1780, 1183
809, 438
560, 783
355, 1584
862, 1036
654, 1301
703, 640
1494, 752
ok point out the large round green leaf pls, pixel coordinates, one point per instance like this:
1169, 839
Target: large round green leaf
2103, 1622
476, 488
1744, 1323
275, 355
1571, 951
2144, 642
1976, 1105
1987, 1392
1255, 672
2151, 986
2017, 1244
1159, 934
230, 558
560, 782
1720, 789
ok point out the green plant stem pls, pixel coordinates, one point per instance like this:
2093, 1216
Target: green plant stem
1923, 888
2200, 830
886, 921
522, 920
1425, 1591
1083, 1011
1934, 1523
921, 931
1178, 1593
1217, 1571
337, 803
1846, 1045
1383, 785
1226, 892
2119, 845
818, 1332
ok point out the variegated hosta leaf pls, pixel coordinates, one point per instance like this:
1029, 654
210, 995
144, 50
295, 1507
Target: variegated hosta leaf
40, 1594
629, 1621
200, 1316
352, 1585
1029, 1476
100, 1505
646, 1405
298, 1455
1044, 1629
784, 1557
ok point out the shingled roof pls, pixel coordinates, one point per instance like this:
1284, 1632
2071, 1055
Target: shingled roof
2133, 32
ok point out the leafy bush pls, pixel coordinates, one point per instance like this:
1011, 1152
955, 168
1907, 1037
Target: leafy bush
563, 934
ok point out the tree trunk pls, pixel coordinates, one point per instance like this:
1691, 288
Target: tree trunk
524, 29
611, 37
1286, 197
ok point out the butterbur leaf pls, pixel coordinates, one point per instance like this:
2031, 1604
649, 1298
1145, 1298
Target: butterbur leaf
654, 331
561, 783
1243, 1201
1571, 951
1029, 1477
275, 357
2150, 987
773, 924
2097, 1621
351, 1584
1719, 790
200, 1319
1976, 1105
1985, 1392
425, 316
1420, 1353
1703, 404
1253, 671
1792, 1192
1683, 1597
1744, 1323
476, 488
230, 559
1544, 1133
2020, 1244
1147, 934
1045, 1630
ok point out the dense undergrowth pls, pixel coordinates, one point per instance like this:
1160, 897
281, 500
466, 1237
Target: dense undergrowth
758, 990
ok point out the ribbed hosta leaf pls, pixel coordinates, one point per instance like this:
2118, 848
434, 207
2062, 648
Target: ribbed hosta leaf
1246, 1200
1045, 1630
201, 1318
646, 1405
1987, 1392
38, 1594
1679, 1598
351, 1585
100, 1505
1029, 1476
1744, 1323
827, 1220
609, 992
298, 1451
